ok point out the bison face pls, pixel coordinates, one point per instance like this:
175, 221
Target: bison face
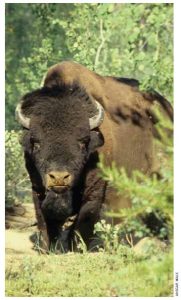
62, 133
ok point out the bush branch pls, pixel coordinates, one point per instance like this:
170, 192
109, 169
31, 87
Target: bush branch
100, 46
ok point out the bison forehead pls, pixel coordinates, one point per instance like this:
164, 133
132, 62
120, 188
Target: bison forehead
58, 111
60, 128
64, 122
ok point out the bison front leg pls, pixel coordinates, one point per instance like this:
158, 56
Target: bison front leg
58, 239
90, 211
43, 242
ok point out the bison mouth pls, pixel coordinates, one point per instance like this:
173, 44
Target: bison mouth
58, 188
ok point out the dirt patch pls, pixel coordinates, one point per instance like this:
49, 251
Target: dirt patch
19, 242
20, 216
20, 226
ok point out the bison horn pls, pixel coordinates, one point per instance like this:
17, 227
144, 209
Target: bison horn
97, 119
24, 121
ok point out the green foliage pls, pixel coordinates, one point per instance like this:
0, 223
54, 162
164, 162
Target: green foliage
110, 235
17, 181
128, 40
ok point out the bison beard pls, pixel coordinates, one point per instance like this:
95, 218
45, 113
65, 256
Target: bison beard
57, 206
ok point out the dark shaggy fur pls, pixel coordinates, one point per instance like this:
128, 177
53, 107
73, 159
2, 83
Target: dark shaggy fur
130, 81
60, 128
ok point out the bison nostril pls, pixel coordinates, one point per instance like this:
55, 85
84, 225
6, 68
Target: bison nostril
67, 179
51, 176
58, 178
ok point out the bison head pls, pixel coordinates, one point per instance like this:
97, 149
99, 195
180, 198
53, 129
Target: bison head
61, 131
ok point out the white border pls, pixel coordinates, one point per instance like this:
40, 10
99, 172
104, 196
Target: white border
177, 142
93, 1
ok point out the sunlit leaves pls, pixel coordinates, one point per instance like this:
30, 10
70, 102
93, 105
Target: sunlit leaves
17, 181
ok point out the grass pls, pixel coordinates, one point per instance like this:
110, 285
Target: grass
90, 275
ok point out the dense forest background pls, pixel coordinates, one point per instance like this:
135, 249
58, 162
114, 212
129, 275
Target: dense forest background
125, 40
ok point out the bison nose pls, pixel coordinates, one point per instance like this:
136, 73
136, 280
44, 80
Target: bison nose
56, 178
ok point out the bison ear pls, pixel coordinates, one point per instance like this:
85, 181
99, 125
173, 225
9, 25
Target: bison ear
96, 140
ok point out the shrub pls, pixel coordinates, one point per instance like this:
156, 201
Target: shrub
17, 181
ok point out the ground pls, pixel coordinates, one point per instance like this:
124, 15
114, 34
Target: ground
120, 273
20, 227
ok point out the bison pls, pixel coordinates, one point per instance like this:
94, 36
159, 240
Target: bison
73, 118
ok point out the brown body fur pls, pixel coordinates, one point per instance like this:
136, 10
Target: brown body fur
128, 126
